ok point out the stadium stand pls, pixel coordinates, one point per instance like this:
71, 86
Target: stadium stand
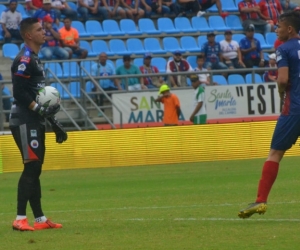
10, 50
233, 22
71, 69
236, 79
152, 45
138, 62
111, 27
192, 61
183, 24
118, 47
271, 38
217, 23
165, 25
219, 38
171, 44
160, 63
86, 45
146, 25
99, 46
221, 80
200, 24
257, 78
135, 46
94, 27
55, 68
80, 28
128, 27
262, 41
188, 44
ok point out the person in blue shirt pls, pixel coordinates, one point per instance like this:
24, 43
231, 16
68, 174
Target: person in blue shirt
287, 129
46, 10
251, 49
212, 52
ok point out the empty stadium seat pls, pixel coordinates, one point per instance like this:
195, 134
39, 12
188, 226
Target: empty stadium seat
201, 41
233, 22
236, 79
119, 62
165, 25
10, 50
135, 46
94, 27
200, 24
80, 28
138, 62
192, 60
88, 66
238, 37
71, 69
21, 9
146, 25
111, 27
262, 41
189, 44
89, 87
74, 88
128, 27
271, 38
21, 46
99, 46
171, 44
118, 47
160, 63
219, 38
55, 68
257, 78
217, 23
72, 5
2, 8
219, 79
229, 5
87, 46
61, 24
183, 24
152, 45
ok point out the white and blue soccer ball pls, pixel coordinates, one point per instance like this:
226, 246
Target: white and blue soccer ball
48, 96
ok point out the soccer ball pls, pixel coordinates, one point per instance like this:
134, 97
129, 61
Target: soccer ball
48, 96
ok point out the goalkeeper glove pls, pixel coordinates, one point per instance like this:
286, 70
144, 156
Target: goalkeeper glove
46, 111
61, 134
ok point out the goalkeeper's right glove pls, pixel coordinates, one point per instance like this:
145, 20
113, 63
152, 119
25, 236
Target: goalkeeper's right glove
46, 111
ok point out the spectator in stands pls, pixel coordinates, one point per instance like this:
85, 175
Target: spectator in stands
169, 7
114, 9
150, 81
188, 6
10, 21
251, 49
212, 52
178, 64
153, 6
62, 7
270, 11
251, 14
203, 78
32, 6
231, 52
46, 10
132, 9
288, 5
206, 4
51, 46
6, 102
70, 40
271, 75
86, 7
133, 83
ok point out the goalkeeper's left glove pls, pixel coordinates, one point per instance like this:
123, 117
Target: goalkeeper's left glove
61, 134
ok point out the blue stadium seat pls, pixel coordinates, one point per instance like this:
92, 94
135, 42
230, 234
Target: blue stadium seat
99, 46
262, 41
74, 88
189, 44
61, 24
10, 50
146, 25
138, 62
257, 78
238, 37
201, 41
271, 38
152, 45
217, 23
55, 68
237, 2
236, 79
183, 24
219, 79
94, 27
119, 62
128, 27
89, 86
233, 22
219, 38
21, 46
21, 9
165, 25
62, 92
135, 46
200, 24
160, 63
88, 66
111, 27
71, 69
118, 47
87, 46
192, 60
171, 44
81, 29
2, 8
229, 5
72, 5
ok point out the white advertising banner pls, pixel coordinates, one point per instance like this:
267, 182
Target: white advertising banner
222, 102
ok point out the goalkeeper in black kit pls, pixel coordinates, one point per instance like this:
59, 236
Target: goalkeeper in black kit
27, 124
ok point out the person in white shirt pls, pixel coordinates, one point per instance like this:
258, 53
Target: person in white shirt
10, 21
62, 7
203, 78
231, 52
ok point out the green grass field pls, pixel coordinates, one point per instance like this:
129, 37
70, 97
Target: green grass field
181, 206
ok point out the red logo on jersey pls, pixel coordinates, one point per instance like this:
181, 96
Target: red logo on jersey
25, 59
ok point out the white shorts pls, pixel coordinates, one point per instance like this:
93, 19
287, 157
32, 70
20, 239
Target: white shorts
136, 86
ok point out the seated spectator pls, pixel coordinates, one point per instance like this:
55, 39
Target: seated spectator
206, 4
114, 9
270, 11
70, 40
62, 7
46, 10
212, 52
169, 7
177, 64
188, 6
32, 6
251, 49
231, 53
271, 75
132, 9
86, 7
251, 14
51, 46
150, 81
203, 78
288, 5
10, 21
154, 7
133, 83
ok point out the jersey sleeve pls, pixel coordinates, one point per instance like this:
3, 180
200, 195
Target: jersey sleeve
23, 67
281, 58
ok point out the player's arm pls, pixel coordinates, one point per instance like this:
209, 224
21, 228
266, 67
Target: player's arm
196, 110
283, 71
58, 129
